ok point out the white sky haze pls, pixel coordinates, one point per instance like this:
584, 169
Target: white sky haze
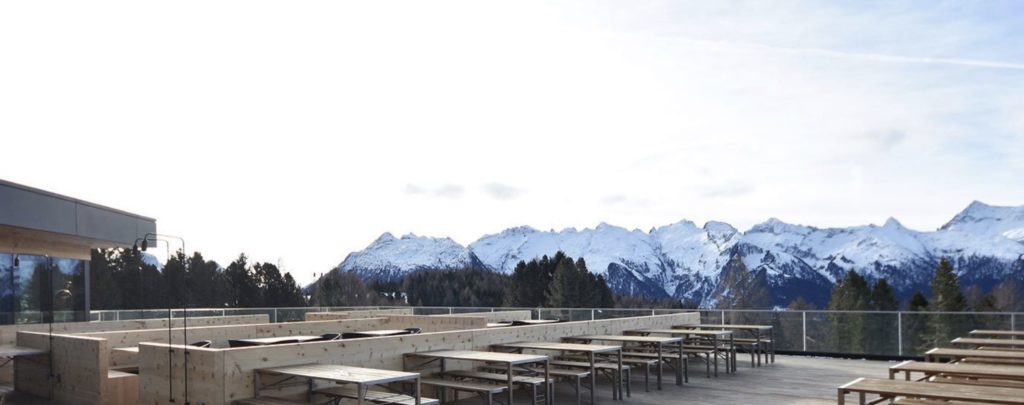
300, 131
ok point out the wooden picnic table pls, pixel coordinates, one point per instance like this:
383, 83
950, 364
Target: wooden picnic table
982, 371
925, 390
996, 333
716, 337
361, 377
937, 354
993, 343
591, 351
755, 330
657, 342
267, 341
509, 359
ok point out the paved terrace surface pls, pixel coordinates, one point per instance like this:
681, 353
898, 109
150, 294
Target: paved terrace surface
791, 380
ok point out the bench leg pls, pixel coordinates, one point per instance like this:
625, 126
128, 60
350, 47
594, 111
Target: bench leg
579, 392
647, 378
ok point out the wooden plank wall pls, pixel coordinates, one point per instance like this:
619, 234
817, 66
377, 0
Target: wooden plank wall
79, 368
500, 316
362, 313
385, 352
220, 334
430, 323
9, 333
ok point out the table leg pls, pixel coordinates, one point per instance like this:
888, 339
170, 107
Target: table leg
842, 397
757, 342
547, 383
511, 387
621, 377
661, 365
361, 394
714, 342
442, 389
684, 368
593, 377
732, 352
771, 343
417, 392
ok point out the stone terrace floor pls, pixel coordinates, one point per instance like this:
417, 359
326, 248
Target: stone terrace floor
791, 380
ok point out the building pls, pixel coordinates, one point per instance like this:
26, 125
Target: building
45, 243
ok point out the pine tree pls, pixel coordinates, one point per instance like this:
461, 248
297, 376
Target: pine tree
880, 325
946, 297
849, 329
915, 324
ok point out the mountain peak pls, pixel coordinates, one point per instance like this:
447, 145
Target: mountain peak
893, 223
384, 238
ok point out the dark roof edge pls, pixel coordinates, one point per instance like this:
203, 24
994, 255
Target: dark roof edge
74, 200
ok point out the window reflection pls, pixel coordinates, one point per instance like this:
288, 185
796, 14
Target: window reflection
39, 289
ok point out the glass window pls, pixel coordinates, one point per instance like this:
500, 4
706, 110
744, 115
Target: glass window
31, 282
68, 289
6, 288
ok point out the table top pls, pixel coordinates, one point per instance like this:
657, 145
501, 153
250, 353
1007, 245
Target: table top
342, 374
474, 355
992, 354
962, 369
498, 324
16, 351
695, 332
992, 332
974, 393
988, 342
632, 339
275, 340
567, 347
130, 349
725, 326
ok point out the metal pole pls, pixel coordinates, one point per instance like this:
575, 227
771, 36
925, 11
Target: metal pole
723, 317
804, 315
591, 314
1013, 321
899, 333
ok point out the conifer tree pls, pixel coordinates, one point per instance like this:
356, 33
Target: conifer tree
946, 297
849, 329
879, 336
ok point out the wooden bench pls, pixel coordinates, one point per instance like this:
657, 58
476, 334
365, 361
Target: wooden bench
534, 383
669, 358
269, 401
486, 391
695, 353
377, 397
611, 368
758, 347
914, 401
646, 363
577, 376
893, 389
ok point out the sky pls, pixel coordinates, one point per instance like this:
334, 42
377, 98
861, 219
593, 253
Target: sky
297, 132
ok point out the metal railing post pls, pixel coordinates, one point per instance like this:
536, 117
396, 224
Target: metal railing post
804, 328
1013, 321
275, 315
451, 310
899, 333
591, 314
723, 317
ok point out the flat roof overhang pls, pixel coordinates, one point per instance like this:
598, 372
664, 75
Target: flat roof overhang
37, 221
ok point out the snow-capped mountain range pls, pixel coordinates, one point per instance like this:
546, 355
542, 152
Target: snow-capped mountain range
687, 262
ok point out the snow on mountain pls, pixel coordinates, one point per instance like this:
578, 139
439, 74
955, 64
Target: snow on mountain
983, 219
688, 262
388, 258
